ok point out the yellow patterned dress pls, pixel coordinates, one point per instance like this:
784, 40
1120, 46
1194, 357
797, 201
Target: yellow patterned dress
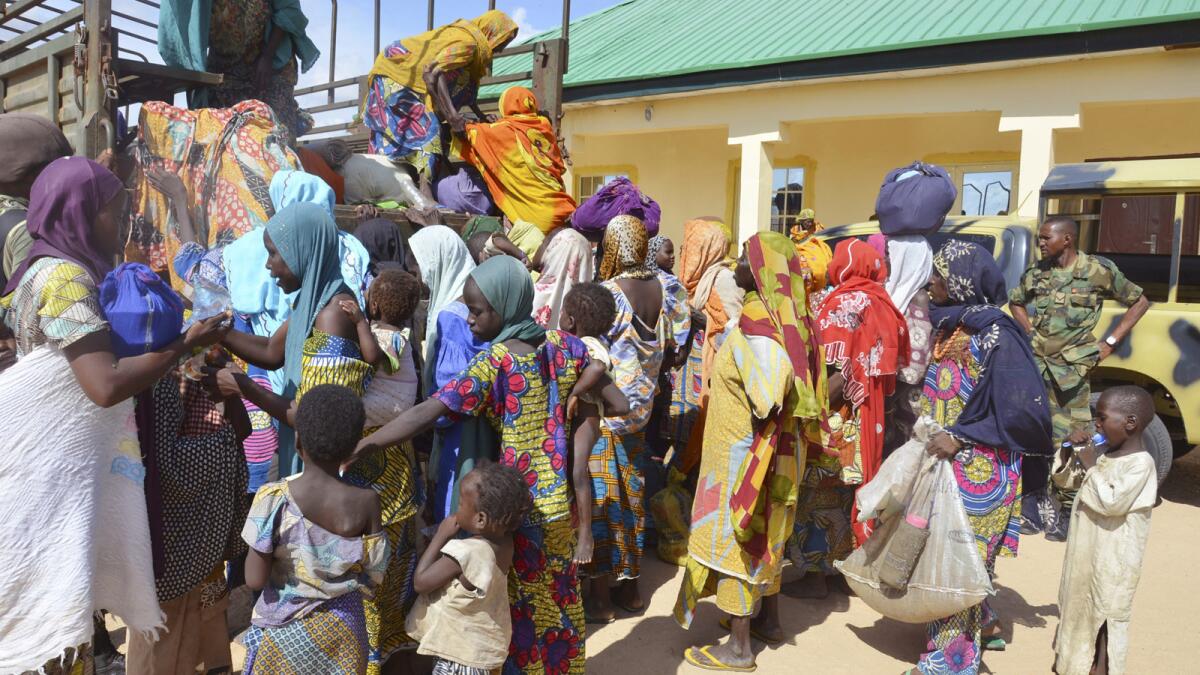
524, 397
329, 359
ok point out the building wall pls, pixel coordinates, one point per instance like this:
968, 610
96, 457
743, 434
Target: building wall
685, 150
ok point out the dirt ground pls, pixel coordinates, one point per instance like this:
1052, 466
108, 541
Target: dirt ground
842, 635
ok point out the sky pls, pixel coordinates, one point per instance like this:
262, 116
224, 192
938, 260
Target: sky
356, 21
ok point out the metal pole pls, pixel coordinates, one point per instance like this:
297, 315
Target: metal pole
332, 43
491, 5
376, 26
429, 16
566, 19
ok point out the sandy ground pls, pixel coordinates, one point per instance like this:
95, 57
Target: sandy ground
842, 635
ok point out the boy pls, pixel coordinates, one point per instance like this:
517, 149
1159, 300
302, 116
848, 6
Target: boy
1107, 539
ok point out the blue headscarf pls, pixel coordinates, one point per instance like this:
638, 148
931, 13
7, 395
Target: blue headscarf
289, 186
508, 288
307, 239
1008, 407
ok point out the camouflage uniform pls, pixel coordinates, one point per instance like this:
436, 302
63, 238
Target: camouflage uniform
1064, 306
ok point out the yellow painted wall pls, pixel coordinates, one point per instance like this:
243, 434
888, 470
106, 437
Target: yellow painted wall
851, 132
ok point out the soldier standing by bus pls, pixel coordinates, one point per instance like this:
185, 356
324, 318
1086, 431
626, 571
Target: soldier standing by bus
1067, 289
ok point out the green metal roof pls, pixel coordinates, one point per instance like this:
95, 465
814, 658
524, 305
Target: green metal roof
649, 39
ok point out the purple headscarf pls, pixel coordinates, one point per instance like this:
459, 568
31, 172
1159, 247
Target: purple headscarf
63, 205
620, 197
465, 192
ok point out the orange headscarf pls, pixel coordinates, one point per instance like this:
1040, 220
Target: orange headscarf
520, 161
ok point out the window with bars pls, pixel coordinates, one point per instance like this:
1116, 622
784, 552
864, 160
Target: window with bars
586, 186
787, 198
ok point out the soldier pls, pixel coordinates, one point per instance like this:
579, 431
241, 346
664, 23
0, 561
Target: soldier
1066, 291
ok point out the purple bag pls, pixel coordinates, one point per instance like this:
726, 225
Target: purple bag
620, 197
464, 192
915, 199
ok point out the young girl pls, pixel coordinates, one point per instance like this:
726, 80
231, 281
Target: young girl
462, 617
520, 383
387, 345
317, 548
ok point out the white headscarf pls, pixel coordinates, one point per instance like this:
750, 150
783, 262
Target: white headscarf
911, 262
445, 265
567, 261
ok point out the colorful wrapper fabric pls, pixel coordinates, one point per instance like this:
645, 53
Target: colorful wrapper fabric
617, 467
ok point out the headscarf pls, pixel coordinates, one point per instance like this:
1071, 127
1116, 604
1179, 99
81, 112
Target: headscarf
866, 337
879, 242
653, 247
445, 265
484, 35
625, 244
464, 192
383, 242
814, 253
619, 197
63, 205
506, 285
566, 261
526, 236
289, 186
705, 253
778, 310
30, 142
1007, 407
911, 261
307, 240
519, 159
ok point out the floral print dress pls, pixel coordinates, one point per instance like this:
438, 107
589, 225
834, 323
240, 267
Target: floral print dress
989, 481
524, 397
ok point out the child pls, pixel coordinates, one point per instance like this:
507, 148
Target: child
462, 617
387, 344
317, 547
1107, 539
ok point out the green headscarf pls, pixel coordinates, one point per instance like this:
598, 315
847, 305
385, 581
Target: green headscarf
508, 288
307, 238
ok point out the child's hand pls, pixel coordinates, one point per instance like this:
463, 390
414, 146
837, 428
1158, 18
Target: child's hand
572, 406
1079, 437
448, 527
583, 549
1087, 456
351, 308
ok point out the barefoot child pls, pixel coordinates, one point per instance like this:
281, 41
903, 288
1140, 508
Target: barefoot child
462, 617
1107, 539
387, 344
317, 547
520, 384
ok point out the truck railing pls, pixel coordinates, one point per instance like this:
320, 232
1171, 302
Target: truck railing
548, 63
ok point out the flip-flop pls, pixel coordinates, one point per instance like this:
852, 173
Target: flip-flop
597, 620
761, 637
995, 644
714, 663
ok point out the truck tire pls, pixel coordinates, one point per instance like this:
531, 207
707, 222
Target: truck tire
1158, 443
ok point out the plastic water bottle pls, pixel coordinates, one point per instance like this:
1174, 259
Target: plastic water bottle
1100, 442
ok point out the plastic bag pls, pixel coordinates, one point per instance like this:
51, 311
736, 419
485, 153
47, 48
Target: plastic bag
949, 576
671, 508
208, 300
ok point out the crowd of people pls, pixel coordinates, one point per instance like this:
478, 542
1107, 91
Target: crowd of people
436, 450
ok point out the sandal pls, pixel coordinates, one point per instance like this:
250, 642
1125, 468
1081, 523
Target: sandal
761, 637
995, 644
712, 662
588, 618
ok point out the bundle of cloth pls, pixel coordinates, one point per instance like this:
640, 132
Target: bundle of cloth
226, 158
620, 197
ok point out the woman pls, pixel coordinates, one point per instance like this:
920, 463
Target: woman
706, 271
384, 244
405, 114
910, 261
866, 343
252, 44
814, 253
450, 345
564, 260
520, 385
769, 382
652, 319
519, 158
90, 467
318, 344
984, 389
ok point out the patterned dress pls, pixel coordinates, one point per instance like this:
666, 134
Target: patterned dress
524, 397
310, 617
393, 473
989, 481
619, 460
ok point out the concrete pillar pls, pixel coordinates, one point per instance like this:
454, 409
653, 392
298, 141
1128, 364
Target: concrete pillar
753, 210
1037, 154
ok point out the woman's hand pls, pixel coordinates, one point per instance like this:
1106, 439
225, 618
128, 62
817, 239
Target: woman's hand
943, 446
264, 69
458, 123
168, 183
223, 382
208, 331
366, 211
